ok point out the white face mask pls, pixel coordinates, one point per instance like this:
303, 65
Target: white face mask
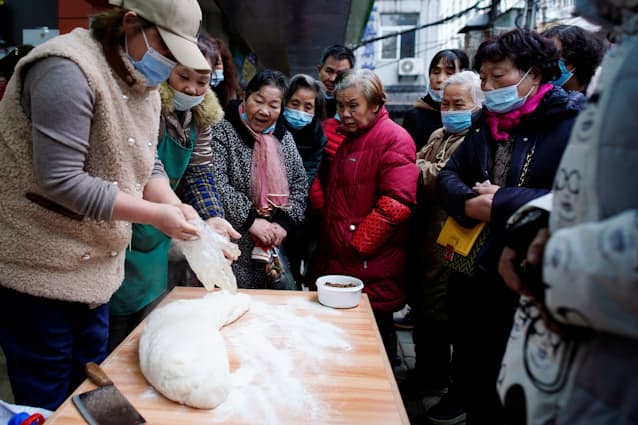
185, 102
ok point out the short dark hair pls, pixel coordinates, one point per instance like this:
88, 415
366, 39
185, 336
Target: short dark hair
339, 52
307, 82
580, 48
526, 48
450, 56
268, 77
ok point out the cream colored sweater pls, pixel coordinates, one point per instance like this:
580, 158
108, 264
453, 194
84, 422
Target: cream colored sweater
43, 252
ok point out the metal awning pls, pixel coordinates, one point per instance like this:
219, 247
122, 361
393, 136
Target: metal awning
290, 35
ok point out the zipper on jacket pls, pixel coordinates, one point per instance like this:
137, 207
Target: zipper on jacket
365, 264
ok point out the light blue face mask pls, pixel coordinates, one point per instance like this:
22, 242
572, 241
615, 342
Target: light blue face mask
297, 119
217, 77
337, 117
267, 130
456, 121
185, 102
436, 95
505, 99
565, 74
155, 67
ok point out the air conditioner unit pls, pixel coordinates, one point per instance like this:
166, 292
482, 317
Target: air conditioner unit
410, 67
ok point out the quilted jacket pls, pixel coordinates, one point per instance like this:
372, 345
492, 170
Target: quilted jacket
370, 184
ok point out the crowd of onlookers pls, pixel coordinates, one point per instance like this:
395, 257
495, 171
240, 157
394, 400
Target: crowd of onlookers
499, 214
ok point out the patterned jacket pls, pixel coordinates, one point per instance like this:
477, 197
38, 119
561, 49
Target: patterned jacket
232, 160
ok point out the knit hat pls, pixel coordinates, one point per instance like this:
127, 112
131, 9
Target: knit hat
178, 23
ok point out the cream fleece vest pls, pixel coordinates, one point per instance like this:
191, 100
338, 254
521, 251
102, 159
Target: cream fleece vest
45, 253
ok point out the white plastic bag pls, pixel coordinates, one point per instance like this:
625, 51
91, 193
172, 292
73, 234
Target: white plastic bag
205, 256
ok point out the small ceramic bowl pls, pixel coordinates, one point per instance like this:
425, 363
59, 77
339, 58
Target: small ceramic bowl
339, 291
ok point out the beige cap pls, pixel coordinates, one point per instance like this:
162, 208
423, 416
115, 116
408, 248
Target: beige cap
178, 23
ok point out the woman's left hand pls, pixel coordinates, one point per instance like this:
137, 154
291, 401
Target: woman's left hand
280, 234
223, 227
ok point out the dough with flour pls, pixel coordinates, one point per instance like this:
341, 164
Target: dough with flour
183, 354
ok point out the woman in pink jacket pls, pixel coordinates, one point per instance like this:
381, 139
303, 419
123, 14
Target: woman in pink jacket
370, 188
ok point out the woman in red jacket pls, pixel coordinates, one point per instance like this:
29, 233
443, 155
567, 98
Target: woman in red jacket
370, 188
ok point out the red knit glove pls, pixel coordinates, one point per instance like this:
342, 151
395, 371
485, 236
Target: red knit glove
378, 226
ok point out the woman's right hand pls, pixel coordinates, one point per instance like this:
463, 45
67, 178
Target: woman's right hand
171, 221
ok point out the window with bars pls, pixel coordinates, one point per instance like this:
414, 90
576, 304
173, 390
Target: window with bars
400, 46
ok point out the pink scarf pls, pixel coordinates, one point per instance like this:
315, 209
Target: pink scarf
268, 181
501, 124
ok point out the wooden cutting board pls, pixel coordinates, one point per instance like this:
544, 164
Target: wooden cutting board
292, 361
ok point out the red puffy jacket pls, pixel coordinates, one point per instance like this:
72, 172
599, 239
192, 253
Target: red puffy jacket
369, 188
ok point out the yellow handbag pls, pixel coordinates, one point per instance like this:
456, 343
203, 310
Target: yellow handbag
458, 246
458, 238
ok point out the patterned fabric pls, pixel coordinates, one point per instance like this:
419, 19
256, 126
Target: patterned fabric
198, 189
232, 161
378, 226
590, 265
501, 163
268, 183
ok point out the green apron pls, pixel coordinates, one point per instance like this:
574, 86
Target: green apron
146, 266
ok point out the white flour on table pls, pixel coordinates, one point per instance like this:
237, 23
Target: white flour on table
274, 346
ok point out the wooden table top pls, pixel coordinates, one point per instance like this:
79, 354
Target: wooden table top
292, 361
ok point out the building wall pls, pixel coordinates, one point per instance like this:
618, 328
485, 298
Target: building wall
404, 90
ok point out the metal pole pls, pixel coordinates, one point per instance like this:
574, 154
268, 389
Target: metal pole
530, 14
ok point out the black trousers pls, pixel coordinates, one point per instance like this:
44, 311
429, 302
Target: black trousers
432, 341
481, 312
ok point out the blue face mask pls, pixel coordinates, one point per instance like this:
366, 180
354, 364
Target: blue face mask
297, 119
329, 96
217, 77
456, 121
267, 130
565, 74
436, 95
337, 117
155, 67
185, 102
505, 99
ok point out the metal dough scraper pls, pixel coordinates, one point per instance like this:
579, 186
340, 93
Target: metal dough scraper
105, 405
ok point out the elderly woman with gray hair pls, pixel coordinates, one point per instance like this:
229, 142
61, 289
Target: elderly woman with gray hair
461, 103
370, 188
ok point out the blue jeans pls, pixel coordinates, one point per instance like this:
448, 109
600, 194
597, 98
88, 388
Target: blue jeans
47, 343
